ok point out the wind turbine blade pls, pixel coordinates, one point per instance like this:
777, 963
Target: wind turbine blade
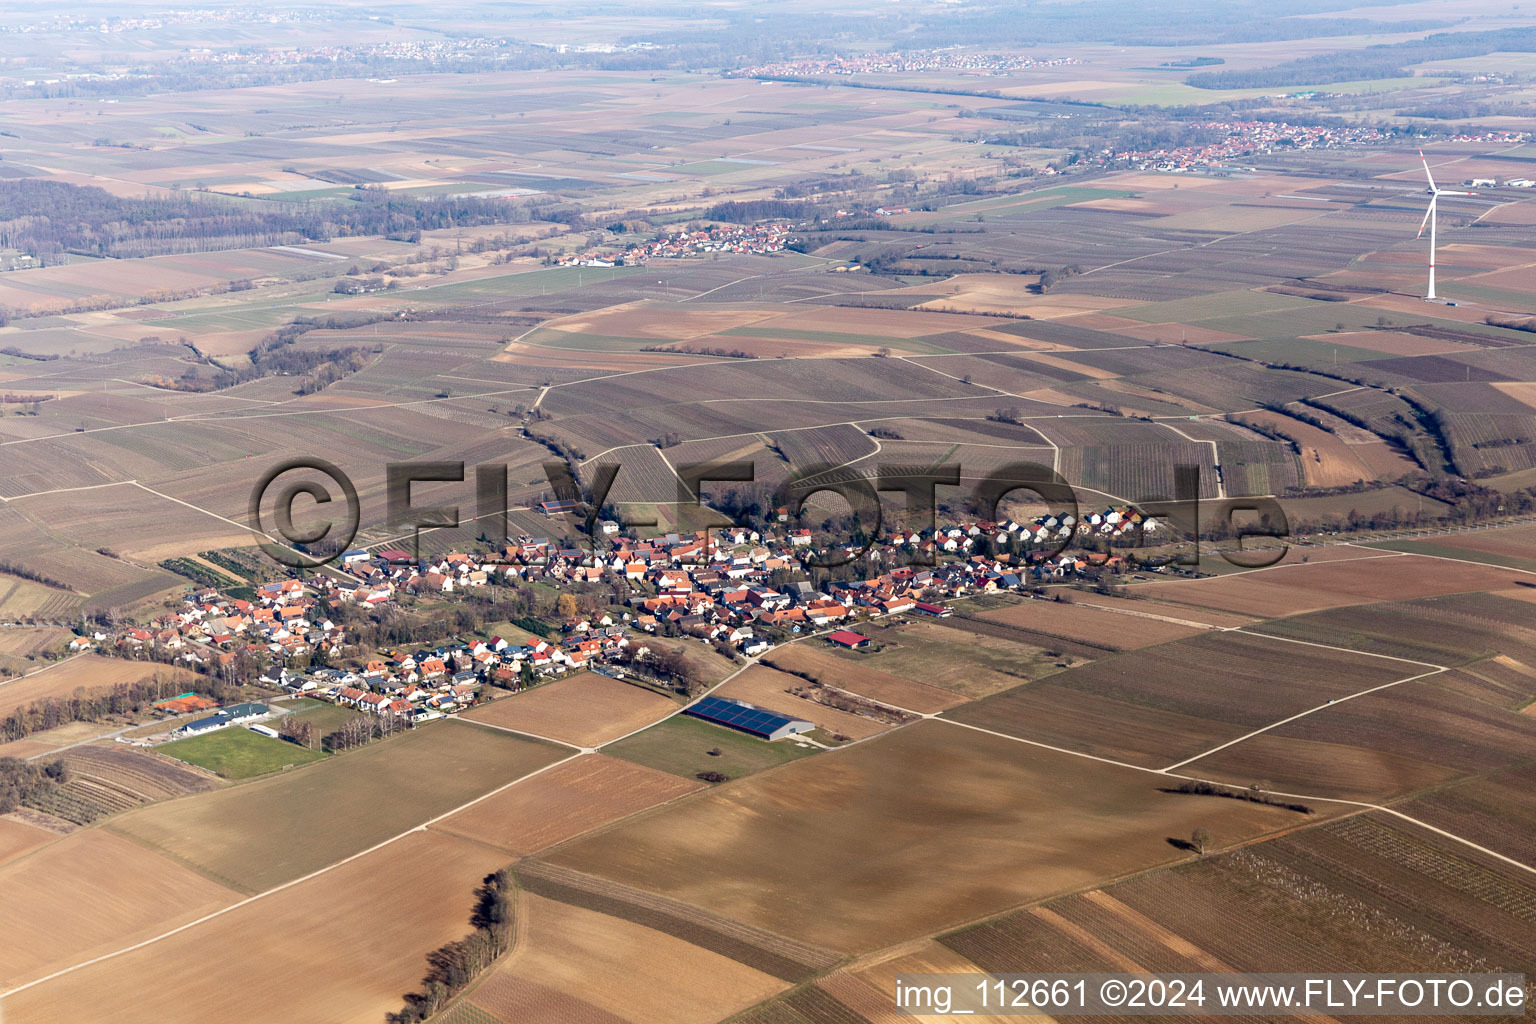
1431, 177
1425, 222
1447, 192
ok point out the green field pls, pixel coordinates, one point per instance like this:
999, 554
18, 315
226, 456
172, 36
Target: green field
581, 341
323, 716
1012, 205
1176, 94
914, 345
238, 753
681, 745
519, 285
1237, 302
1297, 351
273, 830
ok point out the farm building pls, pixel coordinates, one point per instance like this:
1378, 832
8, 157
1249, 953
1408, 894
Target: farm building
849, 639
240, 712
223, 717
936, 610
215, 721
554, 508
748, 718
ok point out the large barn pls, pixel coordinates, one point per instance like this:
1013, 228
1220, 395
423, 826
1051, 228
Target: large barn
749, 718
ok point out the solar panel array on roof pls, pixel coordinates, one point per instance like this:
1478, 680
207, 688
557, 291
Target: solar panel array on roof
746, 717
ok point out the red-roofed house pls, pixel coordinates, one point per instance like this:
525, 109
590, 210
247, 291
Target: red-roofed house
849, 639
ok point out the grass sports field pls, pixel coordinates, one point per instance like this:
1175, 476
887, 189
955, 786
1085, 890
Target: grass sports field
237, 753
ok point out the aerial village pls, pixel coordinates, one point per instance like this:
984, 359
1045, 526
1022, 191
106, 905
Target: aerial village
755, 239
902, 61
1243, 138
711, 585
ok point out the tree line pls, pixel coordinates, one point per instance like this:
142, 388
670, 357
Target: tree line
277, 354
47, 219
94, 705
28, 783
452, 966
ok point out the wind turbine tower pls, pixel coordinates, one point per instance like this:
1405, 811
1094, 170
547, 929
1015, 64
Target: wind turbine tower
1429, 218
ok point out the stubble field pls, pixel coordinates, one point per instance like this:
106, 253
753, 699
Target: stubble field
343, 947
573, 964
276, 829
565, 801
885, 840
584, 710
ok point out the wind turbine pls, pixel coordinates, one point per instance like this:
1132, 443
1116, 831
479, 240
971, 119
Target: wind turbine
1429, 218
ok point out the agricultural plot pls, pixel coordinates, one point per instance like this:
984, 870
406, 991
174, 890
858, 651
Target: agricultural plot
276, 829
1137, 472
1324, 512
20, 599
1326, 461
375, 947
887, 839
1452, 630
107, 779
83, 571
816, 1005
767, 466
1294, 588
1364, 894
1121, 629
975, 462
1012, 374
17, 838
860, 677
775, 954
686, 747
948, 655
118, 893
1161, 706
1493, 810
88, 672
978, 431
644, 475
832, 380
868, 991
585, 710
647, 976
823, 446
566, 801
1381, 745
19, 647
1512, 547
